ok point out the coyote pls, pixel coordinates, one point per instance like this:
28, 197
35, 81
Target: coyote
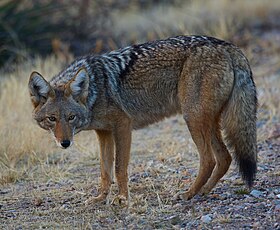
207, 80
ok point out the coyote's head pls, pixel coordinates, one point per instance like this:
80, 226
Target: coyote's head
60, 109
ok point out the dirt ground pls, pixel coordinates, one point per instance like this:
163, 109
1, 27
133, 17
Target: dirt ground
164, 161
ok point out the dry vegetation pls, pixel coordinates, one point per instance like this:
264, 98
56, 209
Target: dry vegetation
43, 186
220, 18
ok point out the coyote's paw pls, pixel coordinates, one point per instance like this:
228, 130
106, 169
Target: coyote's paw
120, 201
184, 195
204, 191
95, 200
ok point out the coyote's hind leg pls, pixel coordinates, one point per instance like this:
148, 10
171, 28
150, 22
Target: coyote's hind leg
223, 160
201, 134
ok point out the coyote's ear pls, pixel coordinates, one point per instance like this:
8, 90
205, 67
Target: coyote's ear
78, 86
39, 89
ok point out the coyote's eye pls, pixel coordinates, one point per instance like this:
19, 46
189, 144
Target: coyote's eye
71, 118
52, 118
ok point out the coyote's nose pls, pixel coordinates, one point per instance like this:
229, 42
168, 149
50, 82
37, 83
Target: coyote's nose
65, 143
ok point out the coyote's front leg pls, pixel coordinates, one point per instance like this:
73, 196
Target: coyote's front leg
122, 136
106, 143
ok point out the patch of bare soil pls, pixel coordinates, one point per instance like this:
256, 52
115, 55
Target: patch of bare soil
156, 175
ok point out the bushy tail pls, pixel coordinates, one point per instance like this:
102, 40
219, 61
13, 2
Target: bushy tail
239, 124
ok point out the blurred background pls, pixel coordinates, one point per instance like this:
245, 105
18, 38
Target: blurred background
70, 28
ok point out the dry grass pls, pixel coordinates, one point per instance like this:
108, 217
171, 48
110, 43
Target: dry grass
219, 18
18, 136
53, 184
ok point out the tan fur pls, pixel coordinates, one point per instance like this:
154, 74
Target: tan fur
207, 80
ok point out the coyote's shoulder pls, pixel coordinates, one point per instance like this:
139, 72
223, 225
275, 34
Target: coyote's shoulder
207, 80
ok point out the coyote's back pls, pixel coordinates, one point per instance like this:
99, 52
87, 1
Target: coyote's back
207, 80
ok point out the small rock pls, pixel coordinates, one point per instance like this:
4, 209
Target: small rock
276, 202
277, 208
271, 196
4, 191
256, 225
206, 219
256, 193
174, 220
278, 196
64, 206
145, 174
